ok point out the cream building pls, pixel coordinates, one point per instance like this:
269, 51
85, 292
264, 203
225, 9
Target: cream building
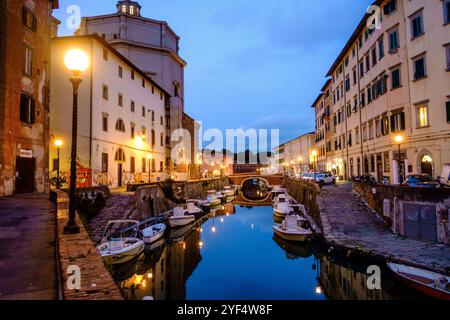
121, 115
154, 48
388, 82
296, 155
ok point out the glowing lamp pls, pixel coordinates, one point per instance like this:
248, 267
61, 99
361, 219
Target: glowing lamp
76, 61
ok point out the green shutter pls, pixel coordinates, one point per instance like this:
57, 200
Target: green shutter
448, 111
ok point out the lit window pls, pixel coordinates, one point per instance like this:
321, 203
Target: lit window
131, 10
422, 116
124, 9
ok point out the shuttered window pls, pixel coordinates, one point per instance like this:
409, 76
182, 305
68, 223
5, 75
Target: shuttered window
448, 110
27, 109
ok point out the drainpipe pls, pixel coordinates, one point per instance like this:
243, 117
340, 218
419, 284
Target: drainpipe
358, 70
90, 105
346, 124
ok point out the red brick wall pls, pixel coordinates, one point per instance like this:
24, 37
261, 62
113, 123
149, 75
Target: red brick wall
14, 135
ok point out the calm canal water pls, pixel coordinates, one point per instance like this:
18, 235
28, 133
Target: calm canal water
233, 254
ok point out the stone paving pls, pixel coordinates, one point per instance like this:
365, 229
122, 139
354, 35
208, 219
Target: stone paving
348, 222
27, 248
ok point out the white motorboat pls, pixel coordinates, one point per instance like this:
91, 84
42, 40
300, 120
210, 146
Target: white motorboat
291, 231
282, 207
153, 233
212, 200
192, 208
180, 218
228, 191
117, 249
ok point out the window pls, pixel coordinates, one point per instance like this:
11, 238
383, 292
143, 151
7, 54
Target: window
153, 165
374, 57
162, 140
446, 11
104, 162
28, 61
143, 112
419, 68
393, 40
422, 117
384, 125
161, 166
120, 72
132, 106
28, 19
105, 92
162, 120
153, 115
377, 128
395, 78
447, 51
357, 135
131, 9
132, 131
369, 95
367, 63
120, 125
132, 75
105, 54
105, 123
144, 165
124, 9
370, 130
361, 69
417, 24
447, 105
390, 7
380, 48
364, 133
27, 109
120, 100
363, 99
355, 104
144, 131
153, 138
355, 78
132, 165
143, 83
397, 122
347, 84
387, 167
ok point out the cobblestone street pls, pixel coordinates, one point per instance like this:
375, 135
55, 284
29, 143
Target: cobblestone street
347, 221
27, 248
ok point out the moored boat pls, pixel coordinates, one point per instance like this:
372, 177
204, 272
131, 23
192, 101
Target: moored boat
117, 249
427, 282
291, 231
228, 191
180, 218
192, 208
282, 208
153, 233
212, 200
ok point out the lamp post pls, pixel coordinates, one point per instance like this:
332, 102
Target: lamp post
150, 169
58, 145
399, 140
77, 62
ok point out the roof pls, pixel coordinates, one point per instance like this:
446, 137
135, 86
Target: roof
117, 53
361, 26
317, 100
55, 4
303, 135
326, 85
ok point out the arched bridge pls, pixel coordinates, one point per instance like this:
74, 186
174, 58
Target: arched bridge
239, 179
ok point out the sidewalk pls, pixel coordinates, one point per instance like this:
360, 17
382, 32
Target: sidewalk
27, 248
348, 222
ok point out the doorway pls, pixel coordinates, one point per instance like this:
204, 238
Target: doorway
426, 165
379, 167
119, 174
25, 168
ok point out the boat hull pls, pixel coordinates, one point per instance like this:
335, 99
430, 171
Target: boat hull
151, 238
176, 222
293, 237
124, 256
413, 281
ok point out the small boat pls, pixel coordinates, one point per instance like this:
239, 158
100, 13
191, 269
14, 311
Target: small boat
192, 208
282, 208
117, 249
277, 190
427, 282
180, 218
290, 230
228, 191
153, 233
212, 200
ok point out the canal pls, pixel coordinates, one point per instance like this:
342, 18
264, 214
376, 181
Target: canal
233, 254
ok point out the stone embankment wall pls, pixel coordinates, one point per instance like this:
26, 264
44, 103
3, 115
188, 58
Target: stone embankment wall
78, 251
305, 193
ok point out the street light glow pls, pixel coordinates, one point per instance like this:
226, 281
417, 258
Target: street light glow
76, 61
399, 139
314, 153
58, 143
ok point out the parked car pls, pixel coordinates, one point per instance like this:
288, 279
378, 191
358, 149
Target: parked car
308, 176
366, 179
421, 181
325, 178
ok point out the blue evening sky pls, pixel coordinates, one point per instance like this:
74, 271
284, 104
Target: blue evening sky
251, 63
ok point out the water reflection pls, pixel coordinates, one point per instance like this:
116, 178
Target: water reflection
233, 254
255, 189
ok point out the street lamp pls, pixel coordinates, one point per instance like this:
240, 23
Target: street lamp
399, 140
77, 62
58, 145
